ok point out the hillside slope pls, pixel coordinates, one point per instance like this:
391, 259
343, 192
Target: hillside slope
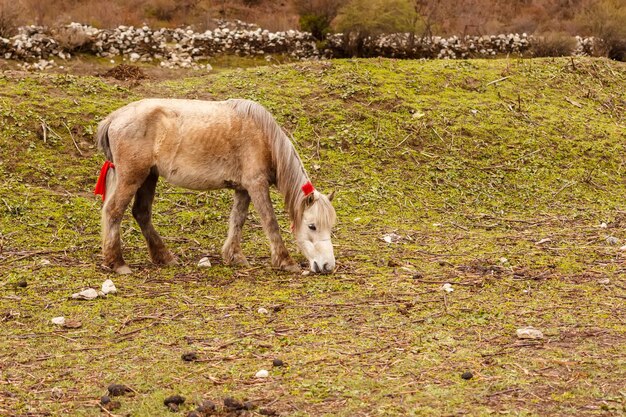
502, 177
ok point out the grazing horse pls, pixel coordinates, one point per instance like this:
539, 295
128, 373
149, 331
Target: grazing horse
208, 145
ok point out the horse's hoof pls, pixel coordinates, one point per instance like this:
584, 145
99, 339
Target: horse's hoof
295, 268
123, 270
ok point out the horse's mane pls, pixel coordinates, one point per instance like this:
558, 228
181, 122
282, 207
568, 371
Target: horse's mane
290, 173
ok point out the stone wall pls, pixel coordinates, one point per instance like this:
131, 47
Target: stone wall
38, 47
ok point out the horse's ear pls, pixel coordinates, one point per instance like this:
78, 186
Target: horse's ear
308, 200
331, 195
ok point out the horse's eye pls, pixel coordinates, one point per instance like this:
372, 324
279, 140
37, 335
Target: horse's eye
312, 227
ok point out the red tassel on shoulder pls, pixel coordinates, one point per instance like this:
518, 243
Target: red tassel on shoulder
308, 188
101, 185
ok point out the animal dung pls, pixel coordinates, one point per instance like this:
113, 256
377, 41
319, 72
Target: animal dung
22, 284
529, 333
116, 390
232, 404
108, 287
173, 402
189, 357
277, 362
467, 375
204, 263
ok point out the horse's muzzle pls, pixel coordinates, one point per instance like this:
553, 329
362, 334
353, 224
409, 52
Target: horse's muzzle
325, 269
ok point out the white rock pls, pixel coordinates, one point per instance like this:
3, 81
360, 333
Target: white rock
306, 272
603, 225
529, 333
612, 240
542, 241
59, 321
262, 310
623, 248
88, 294
44, 262
262, 374
108, 287
447, 287
604, 281
504, 260
204, 263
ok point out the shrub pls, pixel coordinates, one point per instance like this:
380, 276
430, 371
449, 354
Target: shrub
606, 20
552, 44
10, 11
316, 15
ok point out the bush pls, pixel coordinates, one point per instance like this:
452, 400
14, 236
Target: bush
10, 11
606, 20
553, 44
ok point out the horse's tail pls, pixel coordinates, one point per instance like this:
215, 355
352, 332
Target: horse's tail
102, 138
106, 182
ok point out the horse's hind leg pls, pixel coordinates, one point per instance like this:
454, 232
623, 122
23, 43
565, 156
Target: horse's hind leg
112, 213
231, 251
142, 212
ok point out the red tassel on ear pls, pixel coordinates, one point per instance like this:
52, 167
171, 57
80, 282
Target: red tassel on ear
101, 184
308, 188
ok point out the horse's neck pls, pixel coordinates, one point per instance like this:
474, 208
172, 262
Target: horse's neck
290, 177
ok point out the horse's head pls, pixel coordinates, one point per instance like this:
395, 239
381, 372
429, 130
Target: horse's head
313, 231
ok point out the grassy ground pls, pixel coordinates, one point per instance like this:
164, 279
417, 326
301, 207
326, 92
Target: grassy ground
497, 176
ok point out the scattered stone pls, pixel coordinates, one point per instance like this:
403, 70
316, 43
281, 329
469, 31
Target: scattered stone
504, 260
59, 321
22, 283
467, 375
277, 362
262, 310
447, 287
204, 263
56, 393
604, 281
623, 248
88, 294
603, 225
392, 238
612, 240
542, 241
232, 404
306, 272
190, 357
108, 287
116, 390
44, 262
263, 373
529, 333
72, 324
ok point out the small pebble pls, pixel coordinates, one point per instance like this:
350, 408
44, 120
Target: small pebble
88, 294
204, 263
59, 321
447, 287
262, 374
277, 362
22, 284
262, 310
306, 272
44, 262
612, 240
467, 375
529, 333
604, 281
190, 357
116, 390
108, 287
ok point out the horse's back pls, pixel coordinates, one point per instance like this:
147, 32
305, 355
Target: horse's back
193, 143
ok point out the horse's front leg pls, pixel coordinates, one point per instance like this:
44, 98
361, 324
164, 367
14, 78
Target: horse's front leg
231, 251
280, 257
